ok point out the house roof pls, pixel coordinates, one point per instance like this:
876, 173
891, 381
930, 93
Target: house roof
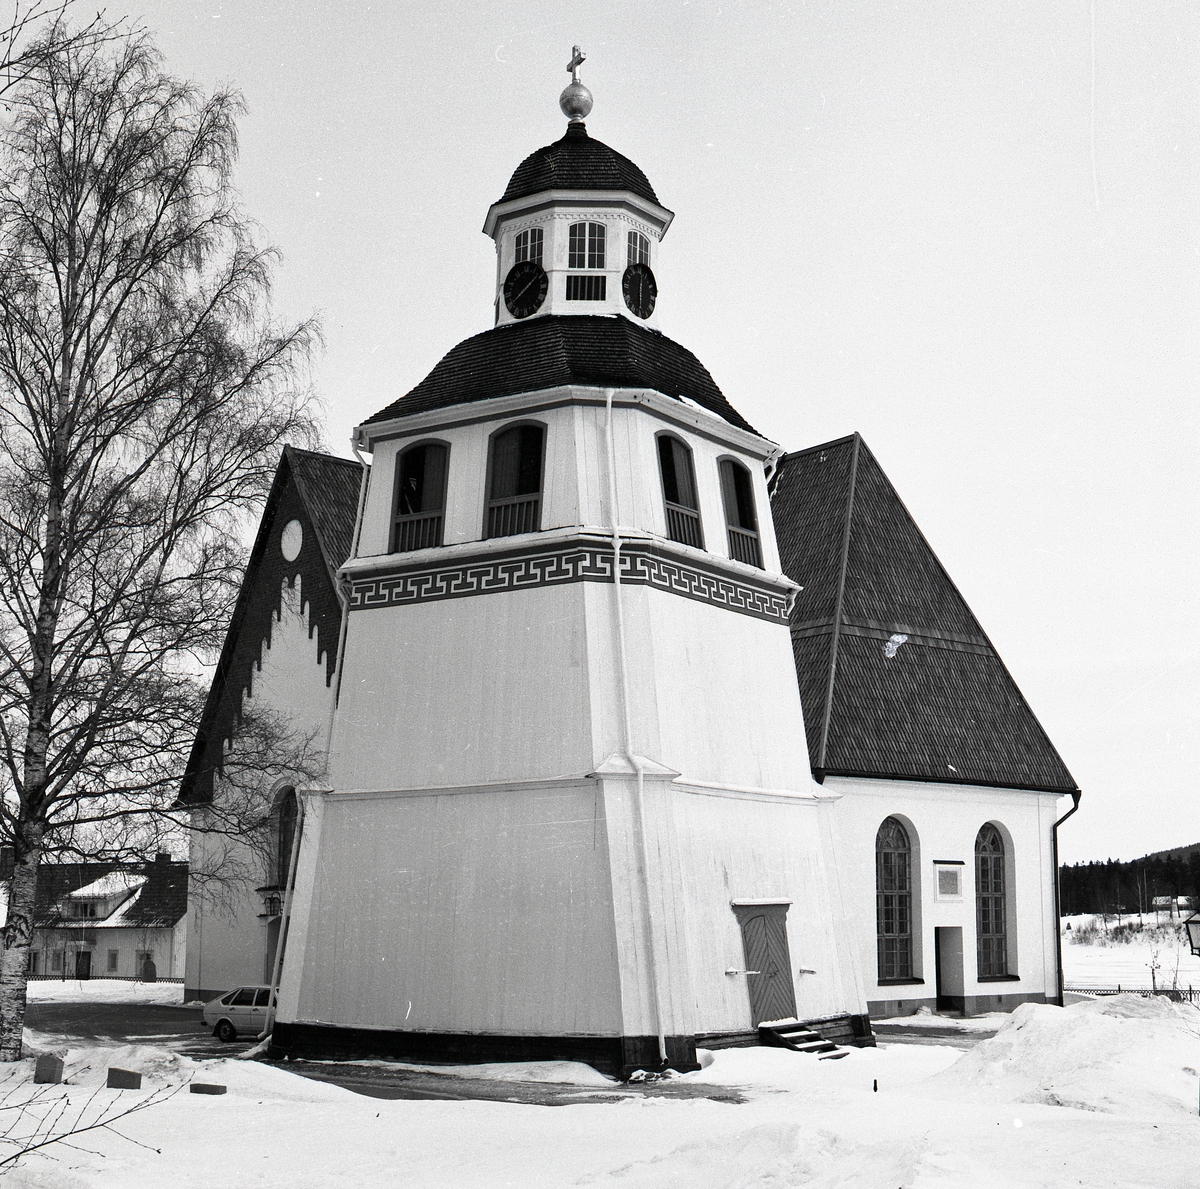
321, 492
558, 349
938, 705
146, 896
577, 162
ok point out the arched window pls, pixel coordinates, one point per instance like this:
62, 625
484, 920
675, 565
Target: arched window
286, 813
515, 484
639, 248
586, 249
420, 497
679, 491
990, 891
893, 900
740, 520
528, 246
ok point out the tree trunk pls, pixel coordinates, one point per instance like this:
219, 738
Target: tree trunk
18, 933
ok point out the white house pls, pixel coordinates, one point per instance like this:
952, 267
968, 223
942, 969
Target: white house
623, 758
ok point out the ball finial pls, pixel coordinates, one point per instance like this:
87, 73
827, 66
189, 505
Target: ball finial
576, 99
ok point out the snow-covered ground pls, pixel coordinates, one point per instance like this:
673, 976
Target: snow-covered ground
1121, 953
1101, 1095
102, 990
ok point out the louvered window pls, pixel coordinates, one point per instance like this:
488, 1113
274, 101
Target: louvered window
893, 901
529, 246
515, 488
420, 497
639, 248
586, 288
990, 909
740, 519
679, 491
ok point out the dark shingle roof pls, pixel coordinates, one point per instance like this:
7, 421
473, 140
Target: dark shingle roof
322, 493
577, 162
943, 707
159, 903
557, 349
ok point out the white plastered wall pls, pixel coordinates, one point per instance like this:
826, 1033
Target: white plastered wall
943, 821
226, 938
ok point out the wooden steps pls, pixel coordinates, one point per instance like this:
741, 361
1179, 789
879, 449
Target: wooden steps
800, 1038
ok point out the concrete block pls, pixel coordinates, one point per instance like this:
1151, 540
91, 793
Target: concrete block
123, 1079
207, 1088
49, 1069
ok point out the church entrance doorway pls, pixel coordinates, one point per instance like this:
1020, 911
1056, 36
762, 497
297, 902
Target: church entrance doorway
948, 948
768, 961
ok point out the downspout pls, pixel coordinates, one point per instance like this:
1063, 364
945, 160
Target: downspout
627, 725
284, 918
1057, 898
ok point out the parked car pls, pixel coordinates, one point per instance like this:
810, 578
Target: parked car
240, 1012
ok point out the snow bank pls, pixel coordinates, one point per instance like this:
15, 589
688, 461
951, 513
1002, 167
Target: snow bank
573, 1073
1120, 1055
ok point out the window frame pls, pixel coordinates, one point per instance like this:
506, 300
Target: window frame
531, 235
736, 535
683, 513
584, 257
487, 483
901, 971
398, 518
640, 256
1006, 897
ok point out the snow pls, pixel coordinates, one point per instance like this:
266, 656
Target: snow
102, 990
1101, 1095
1121, 954
573, 1073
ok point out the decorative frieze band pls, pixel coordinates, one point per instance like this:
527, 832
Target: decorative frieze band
562, 564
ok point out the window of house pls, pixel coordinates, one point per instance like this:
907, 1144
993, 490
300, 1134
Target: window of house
679, 491
83, 908
285, 833
420, 497
740, 519
639, 248
56, 960
990, 923
515, 485
893, 901
585, 245
35, 961
114, 957
529, 246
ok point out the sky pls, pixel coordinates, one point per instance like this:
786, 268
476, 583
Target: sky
967, 231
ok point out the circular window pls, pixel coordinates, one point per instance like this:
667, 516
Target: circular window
291, 539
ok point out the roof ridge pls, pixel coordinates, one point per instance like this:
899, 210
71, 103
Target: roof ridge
824, 445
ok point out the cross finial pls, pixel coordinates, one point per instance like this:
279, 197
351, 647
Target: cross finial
576, 100
578, 57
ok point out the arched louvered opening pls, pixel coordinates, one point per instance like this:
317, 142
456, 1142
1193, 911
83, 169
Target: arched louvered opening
741, 520
515, 481
679, 491
420, 497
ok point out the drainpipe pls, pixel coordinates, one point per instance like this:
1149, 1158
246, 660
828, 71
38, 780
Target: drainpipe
627, 726
1057, 898
284, 917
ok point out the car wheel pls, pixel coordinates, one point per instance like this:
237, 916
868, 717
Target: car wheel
225, 1031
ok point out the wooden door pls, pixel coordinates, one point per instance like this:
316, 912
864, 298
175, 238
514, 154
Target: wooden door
948, 953
768, 962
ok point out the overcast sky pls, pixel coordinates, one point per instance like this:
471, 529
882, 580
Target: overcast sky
968, 231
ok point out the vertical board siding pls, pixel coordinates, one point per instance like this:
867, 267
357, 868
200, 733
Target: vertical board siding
465, 691
487, 912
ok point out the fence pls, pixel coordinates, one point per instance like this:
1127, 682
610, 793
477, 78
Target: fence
111, 978
1175, 994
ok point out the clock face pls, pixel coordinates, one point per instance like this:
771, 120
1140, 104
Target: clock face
640, 290
525, 288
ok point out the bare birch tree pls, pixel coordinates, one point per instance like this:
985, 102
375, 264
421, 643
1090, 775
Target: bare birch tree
144, 398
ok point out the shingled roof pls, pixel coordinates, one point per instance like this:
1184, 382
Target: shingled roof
159, 902
558, 349
937, 706
577, 162
321, 492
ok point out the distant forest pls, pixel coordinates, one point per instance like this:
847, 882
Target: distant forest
1113, 887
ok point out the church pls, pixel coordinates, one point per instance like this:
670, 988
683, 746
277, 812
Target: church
641, 734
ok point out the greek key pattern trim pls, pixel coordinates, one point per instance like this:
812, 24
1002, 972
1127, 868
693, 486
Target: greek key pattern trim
559, 567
